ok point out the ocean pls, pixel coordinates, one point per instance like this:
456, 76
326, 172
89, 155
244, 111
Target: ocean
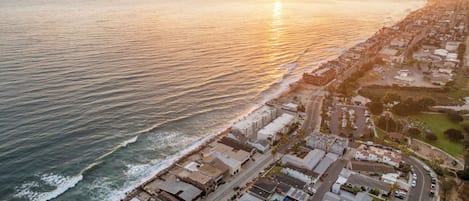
98, 96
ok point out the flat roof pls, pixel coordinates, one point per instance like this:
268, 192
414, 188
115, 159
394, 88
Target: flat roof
276, 125
230, 152
248, 197
210, 171
293, 182
183, 190
362, 180
323, 165
235, 144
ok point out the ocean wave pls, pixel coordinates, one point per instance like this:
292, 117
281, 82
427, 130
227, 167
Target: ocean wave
61, 183
31, 191
144, 172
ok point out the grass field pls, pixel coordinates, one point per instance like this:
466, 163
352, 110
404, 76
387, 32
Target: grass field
438, 123
440, 97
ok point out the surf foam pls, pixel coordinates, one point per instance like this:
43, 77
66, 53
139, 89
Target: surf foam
61, 184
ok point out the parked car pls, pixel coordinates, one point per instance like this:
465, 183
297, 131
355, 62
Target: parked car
414, 183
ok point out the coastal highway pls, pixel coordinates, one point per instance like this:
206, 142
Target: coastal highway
421, 192
246, 174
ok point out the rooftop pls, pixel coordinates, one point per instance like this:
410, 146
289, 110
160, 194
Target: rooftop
182, 190
362, 180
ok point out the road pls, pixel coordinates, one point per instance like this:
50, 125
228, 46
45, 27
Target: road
313, 111
421, 192
248, 173
333, 174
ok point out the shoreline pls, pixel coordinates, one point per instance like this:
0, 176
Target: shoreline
289, 88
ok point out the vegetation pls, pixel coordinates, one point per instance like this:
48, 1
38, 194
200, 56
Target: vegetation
454, 135
461, 51
455, 117
431, 137
375, 107
413, 132
441, 97
391, 98
388, 124
438, 124
411, 107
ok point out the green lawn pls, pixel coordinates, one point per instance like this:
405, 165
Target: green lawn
438, 123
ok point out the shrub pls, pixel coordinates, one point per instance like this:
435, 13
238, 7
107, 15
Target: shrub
413, 132
455, 117
375, 107
431, 136
454, 135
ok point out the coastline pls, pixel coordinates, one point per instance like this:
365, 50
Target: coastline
289, 88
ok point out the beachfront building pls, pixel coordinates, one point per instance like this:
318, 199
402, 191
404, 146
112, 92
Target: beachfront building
196, 178
231, 157
308, 162
250, 124
377, 154
278, 126
181, 190
320, 76
390, 55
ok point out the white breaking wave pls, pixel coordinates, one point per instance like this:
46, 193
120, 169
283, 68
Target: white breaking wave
121, 145
60, 183
144, 172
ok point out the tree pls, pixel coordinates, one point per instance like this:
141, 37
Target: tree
446, 186
455, 117
414, 132
426, 102
431, 136
461, 50
375, 107
391, 98
454, 135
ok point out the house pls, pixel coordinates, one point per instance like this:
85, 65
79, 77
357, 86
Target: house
216, 163
377, 154
396, 137
304, 175
181, 190
368, 183
233, 158
452, 46
263, 188
391, 55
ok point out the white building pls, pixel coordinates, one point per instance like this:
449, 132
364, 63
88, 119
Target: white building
233, 158
308, 162
373, 153
390, 178
250, 124
452, 46
279, 125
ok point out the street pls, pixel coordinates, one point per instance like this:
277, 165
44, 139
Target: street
333, 173
421, 192
247, 174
